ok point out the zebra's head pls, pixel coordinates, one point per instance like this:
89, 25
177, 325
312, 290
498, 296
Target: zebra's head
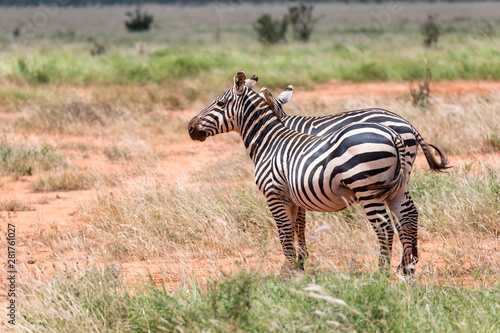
278, 102
221, 115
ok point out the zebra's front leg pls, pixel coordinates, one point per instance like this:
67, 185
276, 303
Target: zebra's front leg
300, 228
284, 217
381, 223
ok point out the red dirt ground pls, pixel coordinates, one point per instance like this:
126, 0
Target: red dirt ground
53, 213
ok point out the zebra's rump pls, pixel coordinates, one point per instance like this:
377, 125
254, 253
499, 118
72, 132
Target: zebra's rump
339, 169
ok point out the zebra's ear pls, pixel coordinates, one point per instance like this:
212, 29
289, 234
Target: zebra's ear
250, 83
286, 95
239, 81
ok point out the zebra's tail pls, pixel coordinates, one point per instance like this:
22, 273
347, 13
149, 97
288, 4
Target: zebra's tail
431, 160
388, 190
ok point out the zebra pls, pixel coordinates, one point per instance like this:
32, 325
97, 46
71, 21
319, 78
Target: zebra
360, 163
403, 211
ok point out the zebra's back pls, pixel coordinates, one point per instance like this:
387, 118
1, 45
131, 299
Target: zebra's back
327, 124
331, 123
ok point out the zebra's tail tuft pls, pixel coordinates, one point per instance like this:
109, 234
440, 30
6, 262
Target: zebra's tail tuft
431, 160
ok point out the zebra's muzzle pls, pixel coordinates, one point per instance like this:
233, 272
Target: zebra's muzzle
194, 132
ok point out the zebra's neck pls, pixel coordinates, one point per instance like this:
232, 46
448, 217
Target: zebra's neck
257, 124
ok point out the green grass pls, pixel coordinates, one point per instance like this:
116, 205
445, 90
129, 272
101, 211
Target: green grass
97, 300
467, 200
192, 74
493, 141
18, 160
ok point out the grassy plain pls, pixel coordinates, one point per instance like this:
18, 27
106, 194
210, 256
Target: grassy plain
107, 130
191, 63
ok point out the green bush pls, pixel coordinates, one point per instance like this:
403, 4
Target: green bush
431, 30
139, 20
301, 21
271, 31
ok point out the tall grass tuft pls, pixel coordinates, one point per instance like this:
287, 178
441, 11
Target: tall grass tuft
71, 179
75, 117
18, 160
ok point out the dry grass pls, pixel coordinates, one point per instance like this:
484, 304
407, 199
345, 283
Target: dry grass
193, 226
132, 153
233, 171
72, 180
218, 210
114, 118
152, 220
73, 118
460, 125
80, 146
229, 216
107, 21
12, 204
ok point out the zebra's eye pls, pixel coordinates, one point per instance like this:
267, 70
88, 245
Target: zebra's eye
221, 103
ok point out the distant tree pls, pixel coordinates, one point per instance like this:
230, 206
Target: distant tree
271, 31
301, 21
431, 30
16, 32
139, 20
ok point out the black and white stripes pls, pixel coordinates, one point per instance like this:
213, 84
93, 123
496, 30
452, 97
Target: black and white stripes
404, 212
359, 163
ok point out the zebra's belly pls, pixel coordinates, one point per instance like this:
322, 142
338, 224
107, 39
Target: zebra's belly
322, 199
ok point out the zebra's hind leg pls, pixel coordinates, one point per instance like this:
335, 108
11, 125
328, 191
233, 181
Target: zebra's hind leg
300, 228
405, 217
381, 223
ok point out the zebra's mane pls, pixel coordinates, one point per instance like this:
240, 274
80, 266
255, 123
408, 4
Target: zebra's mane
268, 104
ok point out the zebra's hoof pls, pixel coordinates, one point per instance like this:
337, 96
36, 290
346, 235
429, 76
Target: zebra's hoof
288, 270
286, 267
408, 271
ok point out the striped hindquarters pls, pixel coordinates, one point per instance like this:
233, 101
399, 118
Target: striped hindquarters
358, 162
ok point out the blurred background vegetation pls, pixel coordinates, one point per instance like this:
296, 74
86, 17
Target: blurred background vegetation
192, 50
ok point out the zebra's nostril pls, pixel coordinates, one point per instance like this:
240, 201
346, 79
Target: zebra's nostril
196, 134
